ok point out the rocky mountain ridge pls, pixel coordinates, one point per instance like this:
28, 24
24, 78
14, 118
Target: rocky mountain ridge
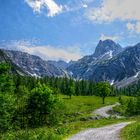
110, 62
118, 67
33, 65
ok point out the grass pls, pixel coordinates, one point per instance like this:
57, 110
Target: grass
132, 131
76, 108
86, 104
82, 106
61, 132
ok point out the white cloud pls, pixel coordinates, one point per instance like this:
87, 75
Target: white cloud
47, 52
85, 6
130, 26
104, 37
134, 27
116, 9
51, 5
111, 10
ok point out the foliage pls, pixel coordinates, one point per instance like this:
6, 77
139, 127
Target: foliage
65, 86
130, 90
6, 81
129, 106
7, 100
103, 90
59, 133
7, 110
41, 106
29, 103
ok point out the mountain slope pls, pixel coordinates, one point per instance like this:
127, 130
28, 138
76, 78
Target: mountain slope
121, 69
34, 65
124, 65
60, 64
13, 67
105, 50
107, 46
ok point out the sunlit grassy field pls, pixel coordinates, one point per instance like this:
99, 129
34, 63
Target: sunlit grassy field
76, 108
86, 104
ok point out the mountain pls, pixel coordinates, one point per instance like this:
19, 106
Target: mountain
121, 68
104, 51
107, 47
59, 64
33, 65
13, 67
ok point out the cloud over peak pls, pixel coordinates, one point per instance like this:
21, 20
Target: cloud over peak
47, 52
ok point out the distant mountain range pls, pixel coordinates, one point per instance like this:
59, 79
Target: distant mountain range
32, 65
110, 62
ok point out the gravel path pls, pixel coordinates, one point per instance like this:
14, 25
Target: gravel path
105, 133
103, 112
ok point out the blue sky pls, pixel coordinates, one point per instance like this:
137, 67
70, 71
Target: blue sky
67, 29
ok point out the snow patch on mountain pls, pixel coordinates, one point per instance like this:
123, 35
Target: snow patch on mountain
112, 82
136, 75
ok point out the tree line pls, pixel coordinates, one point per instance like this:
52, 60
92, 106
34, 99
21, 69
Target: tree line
66, 86
130, 90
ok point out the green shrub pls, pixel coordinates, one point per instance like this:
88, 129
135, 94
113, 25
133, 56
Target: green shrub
43, 107
129, 107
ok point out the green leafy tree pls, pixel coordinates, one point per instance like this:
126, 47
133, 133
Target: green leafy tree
40, 105
71, 88
131, 107
103, 90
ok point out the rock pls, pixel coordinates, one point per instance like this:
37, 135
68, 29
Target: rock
91, 118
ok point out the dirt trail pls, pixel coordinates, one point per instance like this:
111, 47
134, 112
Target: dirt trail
105, 133
103, 111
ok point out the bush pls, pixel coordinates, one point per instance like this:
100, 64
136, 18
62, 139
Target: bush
129, 107
43, 107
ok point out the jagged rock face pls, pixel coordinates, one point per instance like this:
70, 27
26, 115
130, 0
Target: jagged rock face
122, 65
106, 47
14, 69
34, 65
104, 51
